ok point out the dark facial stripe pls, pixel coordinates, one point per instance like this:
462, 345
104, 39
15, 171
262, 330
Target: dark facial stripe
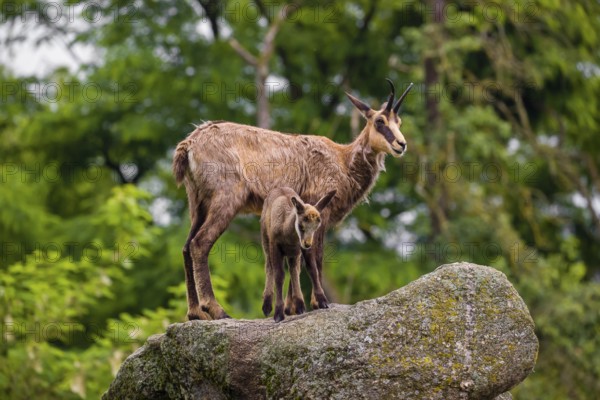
386, 132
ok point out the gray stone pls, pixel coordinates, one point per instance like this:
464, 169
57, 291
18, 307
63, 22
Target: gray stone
460, 332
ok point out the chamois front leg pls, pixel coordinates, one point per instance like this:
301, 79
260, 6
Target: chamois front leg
267, 306
318, 299
318, 252
294, 302
289, 304
276, 265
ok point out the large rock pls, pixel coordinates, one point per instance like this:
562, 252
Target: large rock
460, 332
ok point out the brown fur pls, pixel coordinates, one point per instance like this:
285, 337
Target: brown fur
287, 224
229, 168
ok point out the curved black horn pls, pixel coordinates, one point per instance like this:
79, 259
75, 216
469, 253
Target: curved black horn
401, 99
390, 101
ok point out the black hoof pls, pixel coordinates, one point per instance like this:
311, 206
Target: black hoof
322, 302
192, 317
267, 307
279, 316
300, 307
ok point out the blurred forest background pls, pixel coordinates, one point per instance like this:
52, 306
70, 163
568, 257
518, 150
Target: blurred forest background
502, 166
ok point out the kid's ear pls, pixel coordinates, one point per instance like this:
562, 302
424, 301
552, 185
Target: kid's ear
297, 203
364, 109
325, 200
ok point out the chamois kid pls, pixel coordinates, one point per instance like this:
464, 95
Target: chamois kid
228, 169
287, 224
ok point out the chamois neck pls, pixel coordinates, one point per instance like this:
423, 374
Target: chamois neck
361, 157
290, 223
363, 164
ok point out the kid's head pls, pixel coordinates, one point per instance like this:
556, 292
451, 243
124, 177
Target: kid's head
308, 218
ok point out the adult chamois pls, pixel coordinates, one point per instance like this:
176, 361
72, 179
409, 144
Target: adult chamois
228, 168
287, 225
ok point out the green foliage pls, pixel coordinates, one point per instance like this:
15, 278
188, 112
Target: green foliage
502, 169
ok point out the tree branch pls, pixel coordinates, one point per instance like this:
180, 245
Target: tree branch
242, 52
261, 63
269, 40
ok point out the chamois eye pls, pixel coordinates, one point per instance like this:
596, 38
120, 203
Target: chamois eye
379, 121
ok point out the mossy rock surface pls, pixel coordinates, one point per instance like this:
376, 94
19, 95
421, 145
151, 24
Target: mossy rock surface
460, 332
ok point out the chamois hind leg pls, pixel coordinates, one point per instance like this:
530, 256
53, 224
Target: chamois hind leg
276, 264
218, 217
194, 310
318, 299
290, 309
267, 306
294, 302
289, 304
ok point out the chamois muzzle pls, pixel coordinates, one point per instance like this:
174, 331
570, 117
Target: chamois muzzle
401, 144
399, 152
399, 148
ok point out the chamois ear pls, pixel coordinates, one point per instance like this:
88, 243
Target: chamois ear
325, 200
297, 203
364, 109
